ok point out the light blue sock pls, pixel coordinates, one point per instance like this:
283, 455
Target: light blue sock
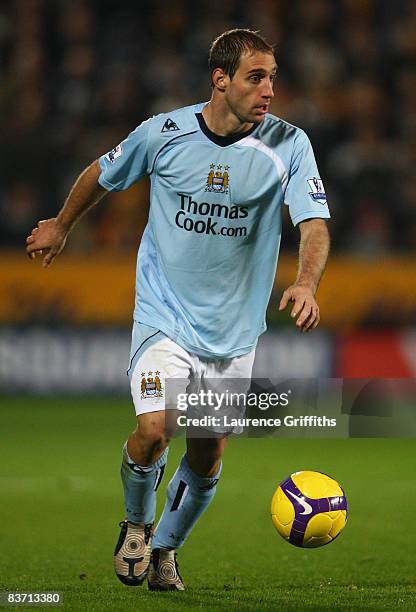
140, 484
187, 497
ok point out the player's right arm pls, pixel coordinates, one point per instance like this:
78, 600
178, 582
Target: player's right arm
115, 171
50, 235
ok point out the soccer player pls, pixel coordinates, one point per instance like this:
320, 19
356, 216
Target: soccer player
220, 174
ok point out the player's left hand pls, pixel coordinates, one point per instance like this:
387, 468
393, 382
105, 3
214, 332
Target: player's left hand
305, 309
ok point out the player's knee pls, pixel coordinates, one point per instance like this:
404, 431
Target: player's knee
152, 442
210, 464
151, 432
146, 448
204, 456
206, 467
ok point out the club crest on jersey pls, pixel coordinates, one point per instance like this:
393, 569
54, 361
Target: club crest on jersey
317, 192
218, 178
114, 153
151, 385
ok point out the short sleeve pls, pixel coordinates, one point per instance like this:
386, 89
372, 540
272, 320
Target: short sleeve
305, 193
127, 162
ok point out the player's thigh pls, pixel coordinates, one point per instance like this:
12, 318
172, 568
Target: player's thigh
229, 378
235, 368
225, 385
162, 363
152, 426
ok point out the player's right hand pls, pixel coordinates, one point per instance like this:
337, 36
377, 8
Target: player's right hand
50, 236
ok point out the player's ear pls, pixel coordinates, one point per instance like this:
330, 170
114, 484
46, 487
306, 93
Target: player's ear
219, 79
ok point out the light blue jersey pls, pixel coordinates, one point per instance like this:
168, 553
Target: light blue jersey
207, 259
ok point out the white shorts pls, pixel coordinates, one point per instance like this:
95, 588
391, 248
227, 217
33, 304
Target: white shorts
156, 358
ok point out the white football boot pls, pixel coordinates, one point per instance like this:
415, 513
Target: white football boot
132, 553
164, 571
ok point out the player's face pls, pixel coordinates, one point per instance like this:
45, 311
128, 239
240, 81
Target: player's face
250, 91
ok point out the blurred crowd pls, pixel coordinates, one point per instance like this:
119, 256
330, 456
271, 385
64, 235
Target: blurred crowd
78, 75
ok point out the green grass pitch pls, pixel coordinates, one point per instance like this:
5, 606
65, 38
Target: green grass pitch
61, 503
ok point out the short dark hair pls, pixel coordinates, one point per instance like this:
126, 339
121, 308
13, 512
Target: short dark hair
226, 50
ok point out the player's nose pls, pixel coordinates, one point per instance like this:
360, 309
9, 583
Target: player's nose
268, 90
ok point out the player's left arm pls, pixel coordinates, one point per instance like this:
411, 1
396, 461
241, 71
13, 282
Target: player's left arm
313, 254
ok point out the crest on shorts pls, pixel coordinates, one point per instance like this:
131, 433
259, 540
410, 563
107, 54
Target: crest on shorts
151, 385
218, 178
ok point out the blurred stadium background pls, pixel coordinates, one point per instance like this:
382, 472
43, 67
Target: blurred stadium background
78, 76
